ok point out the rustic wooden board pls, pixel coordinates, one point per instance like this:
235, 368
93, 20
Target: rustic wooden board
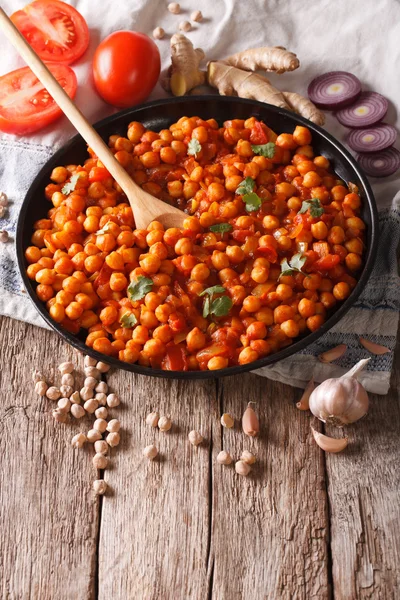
269, 531
48, 513
364, 497
154, 535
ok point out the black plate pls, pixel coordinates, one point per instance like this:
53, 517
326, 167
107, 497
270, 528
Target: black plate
160, 115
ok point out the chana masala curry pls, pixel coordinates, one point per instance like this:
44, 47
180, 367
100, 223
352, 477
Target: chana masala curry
271, 244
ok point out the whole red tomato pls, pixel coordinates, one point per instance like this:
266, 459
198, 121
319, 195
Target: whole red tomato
126, 67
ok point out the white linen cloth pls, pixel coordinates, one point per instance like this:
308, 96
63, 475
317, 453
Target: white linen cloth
361, 36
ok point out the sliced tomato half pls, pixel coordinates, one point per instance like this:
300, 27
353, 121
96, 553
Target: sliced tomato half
25, 105
54, 29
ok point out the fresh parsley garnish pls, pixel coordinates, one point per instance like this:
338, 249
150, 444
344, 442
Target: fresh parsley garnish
70, 186
128, 320
221, 228
314, 204
215, 289
295, 264
266, 150
218, 307
194, 147
249, 197
140, 288
246, 187
253, 202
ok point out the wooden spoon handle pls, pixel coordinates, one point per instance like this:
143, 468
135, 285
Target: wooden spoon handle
73, 113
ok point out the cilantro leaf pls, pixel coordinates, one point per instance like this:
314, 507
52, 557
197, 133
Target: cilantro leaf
70, 186
266, 150
194, 147
128, 320
246, 187
253, 202
215, 289
138, 290
221, 228
295, 264
206, 308
220, 307
314, 204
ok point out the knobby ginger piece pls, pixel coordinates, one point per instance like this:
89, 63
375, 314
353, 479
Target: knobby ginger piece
276, 59
231, 81
304, 107
184, 71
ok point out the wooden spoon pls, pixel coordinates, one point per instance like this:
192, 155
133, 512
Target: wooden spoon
146, 208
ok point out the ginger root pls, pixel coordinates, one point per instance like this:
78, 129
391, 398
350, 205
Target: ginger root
230, 81
276, 59
235, 76
185, 59
304, 107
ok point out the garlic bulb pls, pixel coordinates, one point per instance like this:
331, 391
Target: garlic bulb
342, 400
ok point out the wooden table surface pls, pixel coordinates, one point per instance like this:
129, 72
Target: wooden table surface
303, 525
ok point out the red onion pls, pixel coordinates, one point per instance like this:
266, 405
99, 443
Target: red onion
334, 90
368, 109
372, 139
380, 164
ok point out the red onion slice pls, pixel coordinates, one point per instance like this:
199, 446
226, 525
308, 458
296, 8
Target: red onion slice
372, 139
334, 90
368, 109
380, 164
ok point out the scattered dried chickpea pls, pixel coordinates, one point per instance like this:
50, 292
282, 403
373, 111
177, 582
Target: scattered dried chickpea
101, 387
113, 426
88, 361
113, 400
164, 424
195, 438
100, 487
41, 388
101, 447
113, 439
158, 33
227, 420
78, 440
224, 458
174, 8
75, 397
100, 461
92, 372
101, 413
53, 393
90, 382
152, 419
93, 435
185, 26
196, 16
59, 416
100, 425
248, 457
91, 406
64, 405
66, 390
86, 393
242, 468
77, 411
67, 379
150, 452
66, 367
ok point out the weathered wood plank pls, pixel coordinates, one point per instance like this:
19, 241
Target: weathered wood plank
154, 534
364, 496
48, 513
269, 530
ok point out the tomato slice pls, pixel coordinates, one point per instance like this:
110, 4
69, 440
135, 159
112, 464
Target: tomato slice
258, 135
326, 262
54, 29
175, 358
25, 106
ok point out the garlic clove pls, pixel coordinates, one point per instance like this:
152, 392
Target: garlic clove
342, 400
304, 402
329, 444
332, 354
250, 423
373, 347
